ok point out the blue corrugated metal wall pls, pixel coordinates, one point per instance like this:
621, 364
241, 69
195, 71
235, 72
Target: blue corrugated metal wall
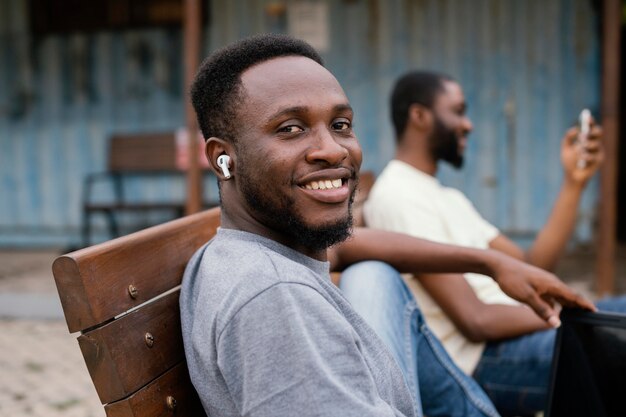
527, 66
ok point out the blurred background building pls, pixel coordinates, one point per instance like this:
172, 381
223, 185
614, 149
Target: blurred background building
72, 73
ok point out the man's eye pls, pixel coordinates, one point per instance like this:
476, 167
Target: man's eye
291, 129
342, 125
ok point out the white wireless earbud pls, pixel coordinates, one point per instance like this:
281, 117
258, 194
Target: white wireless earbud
223, 161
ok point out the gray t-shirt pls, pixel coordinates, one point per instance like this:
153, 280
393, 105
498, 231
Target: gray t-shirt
266, 333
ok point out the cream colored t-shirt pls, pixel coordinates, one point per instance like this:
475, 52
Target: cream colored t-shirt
407, 200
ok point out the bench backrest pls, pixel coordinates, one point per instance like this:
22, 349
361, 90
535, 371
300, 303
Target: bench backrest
122, 296
142, 152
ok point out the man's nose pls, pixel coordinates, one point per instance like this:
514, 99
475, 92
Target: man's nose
326, 148
467, 124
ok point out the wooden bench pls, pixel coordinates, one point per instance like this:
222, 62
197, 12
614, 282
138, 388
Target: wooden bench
136, 155
122, 296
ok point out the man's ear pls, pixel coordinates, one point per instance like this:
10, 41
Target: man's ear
216, 147
420, 117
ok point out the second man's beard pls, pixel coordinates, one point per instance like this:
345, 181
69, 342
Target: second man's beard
444, 144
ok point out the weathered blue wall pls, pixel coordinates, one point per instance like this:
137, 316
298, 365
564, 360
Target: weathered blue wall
527, 66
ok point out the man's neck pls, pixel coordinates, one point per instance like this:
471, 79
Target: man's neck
247, 224
416, 157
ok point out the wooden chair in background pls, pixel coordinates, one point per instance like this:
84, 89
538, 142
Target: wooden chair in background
148, 156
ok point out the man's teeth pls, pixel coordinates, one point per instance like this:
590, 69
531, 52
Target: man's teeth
323, 185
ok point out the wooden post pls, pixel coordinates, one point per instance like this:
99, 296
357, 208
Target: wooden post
192, 33
605, 268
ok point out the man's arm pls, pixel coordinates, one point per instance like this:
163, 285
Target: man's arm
552, 239
477, 321
526, 283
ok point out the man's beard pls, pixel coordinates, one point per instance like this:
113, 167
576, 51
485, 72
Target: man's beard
280, 214
444, 144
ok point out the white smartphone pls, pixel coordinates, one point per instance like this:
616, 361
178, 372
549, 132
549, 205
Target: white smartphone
584, 121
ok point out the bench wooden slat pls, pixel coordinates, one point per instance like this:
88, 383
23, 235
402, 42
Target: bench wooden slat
93, 283
152, 400
144, 206
119, 356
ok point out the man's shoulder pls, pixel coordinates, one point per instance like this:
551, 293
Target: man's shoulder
399, 187
235, 260
225, 275
400, 181
234, 270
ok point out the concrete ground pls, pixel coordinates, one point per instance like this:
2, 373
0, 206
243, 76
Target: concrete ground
42, 373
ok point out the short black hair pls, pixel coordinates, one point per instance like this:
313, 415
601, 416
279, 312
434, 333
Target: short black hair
415, 87
216, 89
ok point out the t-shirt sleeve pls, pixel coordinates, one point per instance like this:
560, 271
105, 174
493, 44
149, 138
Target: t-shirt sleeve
288, 352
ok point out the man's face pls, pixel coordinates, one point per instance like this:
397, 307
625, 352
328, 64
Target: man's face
451, 127
297, 156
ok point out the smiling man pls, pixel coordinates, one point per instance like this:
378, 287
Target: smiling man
266, 333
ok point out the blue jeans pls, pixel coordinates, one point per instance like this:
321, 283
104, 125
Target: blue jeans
515, 373
378, 293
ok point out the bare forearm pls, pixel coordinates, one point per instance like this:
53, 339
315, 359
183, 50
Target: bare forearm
476, 320
552, 239
498, 321
409, 254
520, 281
